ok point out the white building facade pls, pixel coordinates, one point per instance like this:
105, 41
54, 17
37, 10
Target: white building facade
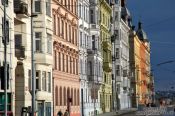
90, 57
122, 75
10, 57
42, 37
95, 59
83, 13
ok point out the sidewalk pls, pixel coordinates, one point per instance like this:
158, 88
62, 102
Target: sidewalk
118, 113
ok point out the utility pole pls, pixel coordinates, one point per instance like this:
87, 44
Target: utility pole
32, 61
5, 60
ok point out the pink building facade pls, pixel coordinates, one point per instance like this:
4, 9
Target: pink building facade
66, 84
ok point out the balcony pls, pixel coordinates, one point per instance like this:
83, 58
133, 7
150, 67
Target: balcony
21, 8
93, 78
107, 45
20, 52
107, 66
94, 26
43, 58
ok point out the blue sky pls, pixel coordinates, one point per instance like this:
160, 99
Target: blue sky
158, 18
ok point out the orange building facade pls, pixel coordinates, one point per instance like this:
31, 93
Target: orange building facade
66, 85
140, 67
144, 69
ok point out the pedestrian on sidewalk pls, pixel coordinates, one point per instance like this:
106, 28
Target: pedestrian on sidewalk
66, 113
59, 113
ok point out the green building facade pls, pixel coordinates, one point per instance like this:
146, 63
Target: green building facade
105, 35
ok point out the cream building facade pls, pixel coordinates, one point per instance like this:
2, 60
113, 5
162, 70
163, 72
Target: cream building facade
42, 34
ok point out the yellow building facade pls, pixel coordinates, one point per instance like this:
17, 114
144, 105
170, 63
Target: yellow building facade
105, 35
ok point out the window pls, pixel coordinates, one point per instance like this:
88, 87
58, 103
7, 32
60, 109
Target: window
40, 109
38, 6
72, 5
75, 7
80, 10
73, 35
54, 24
89, 68
37, 79
76, 37
67, 63
44, 80
18, 41
118, 70
81, 66
38, 42
7, 30
65, 98
73, 66
81, 37
69, 4
55, 60
92, 16
2, 101
66, 31
75, 97
49, 44
59, 61
48, 108
62, 31
63, 60
117, 53
49, 81
48, 8
29, 80
76, 66
72, 96
56, 95
58, 26
70, 33
70, 64
93, 42
61, 97
78, 97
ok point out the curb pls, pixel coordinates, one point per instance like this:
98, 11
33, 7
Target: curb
124, 113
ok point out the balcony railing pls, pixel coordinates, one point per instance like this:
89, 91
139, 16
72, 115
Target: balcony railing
107, 45
21, 8
107, 66
96, 79
20, 52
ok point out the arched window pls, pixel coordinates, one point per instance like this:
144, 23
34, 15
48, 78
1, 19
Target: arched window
78, 97
75, 97
65, 96
56, 95
72, 96
68, 93
60, 96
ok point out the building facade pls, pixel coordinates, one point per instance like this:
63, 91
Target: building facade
94, 59
121, 54
83, 14
42, 38
144, 97
105, 35
66, 57
142, 82
10, 58
135, 59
